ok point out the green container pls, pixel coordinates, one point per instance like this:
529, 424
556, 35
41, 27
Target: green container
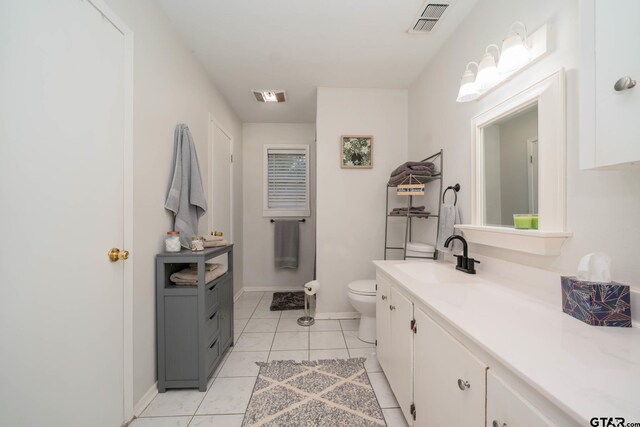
534, 221
523, 221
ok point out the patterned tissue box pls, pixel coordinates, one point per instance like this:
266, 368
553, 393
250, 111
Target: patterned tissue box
598, 304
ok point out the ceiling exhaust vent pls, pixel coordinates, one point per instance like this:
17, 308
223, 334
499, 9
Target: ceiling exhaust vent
269, 95
429, 16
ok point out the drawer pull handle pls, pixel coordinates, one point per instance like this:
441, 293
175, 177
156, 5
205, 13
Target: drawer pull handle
384, 297
392, 307
213, 315
497, 423
463, 385
624, 83
213, 344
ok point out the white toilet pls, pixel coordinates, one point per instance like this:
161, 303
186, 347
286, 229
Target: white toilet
362, 296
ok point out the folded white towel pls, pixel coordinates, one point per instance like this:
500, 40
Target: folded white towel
189, 276
208, 244
207, 266
211, 238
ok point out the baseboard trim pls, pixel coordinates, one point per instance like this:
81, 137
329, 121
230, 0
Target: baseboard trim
343, 315
238, 295
272, 288
145, 400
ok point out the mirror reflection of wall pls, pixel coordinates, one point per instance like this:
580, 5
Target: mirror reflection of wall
511, 167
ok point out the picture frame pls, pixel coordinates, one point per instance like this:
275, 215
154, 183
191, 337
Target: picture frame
356, 151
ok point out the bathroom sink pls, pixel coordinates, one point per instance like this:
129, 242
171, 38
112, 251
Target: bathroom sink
434, 273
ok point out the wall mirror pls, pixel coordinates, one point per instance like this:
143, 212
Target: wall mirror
518, 171
511, 170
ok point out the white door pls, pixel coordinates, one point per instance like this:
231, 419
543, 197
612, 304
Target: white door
62, 116
449, 381
401, 375
506, 408
383, 323
220, 166
617, 43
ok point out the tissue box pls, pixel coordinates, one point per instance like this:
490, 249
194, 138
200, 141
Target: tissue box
598, 304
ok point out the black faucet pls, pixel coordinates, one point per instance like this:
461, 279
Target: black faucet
466, 264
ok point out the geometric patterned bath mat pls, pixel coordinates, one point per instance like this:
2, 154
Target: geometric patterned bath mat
322, 393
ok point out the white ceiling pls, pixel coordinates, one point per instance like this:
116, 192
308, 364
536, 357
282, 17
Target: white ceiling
299, 45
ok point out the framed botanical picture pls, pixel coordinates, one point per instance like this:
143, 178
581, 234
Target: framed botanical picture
356, 151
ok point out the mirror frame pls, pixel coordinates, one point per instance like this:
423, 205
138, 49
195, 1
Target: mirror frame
549, 94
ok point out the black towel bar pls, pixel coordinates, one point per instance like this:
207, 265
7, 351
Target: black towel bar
455, 189
300, 220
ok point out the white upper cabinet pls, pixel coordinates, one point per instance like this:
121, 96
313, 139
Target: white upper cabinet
610, 103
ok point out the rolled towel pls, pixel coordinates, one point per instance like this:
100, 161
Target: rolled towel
215, 244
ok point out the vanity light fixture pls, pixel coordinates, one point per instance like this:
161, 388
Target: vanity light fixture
488, 75
515, 52
519, 50
468, 87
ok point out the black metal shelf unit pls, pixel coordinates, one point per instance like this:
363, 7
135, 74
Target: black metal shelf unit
436, 158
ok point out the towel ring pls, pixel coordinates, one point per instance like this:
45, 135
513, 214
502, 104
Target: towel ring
455, 189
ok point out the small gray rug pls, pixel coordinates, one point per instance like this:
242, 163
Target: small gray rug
287, 301
321, 393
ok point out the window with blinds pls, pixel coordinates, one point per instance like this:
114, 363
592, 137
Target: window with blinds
287, 180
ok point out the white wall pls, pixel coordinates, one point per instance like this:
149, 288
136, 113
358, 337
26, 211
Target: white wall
170, 87
259, 271
351, 202
602, 206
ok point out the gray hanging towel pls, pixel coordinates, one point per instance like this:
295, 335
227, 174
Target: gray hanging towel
286, 242
186, 196
449, 216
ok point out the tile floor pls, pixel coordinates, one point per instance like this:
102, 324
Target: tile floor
262, 335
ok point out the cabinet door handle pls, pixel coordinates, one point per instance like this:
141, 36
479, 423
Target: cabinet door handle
392, 307
497, 423
384, 297
463, 385
624, 83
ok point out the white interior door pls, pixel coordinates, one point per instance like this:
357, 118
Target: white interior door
62, 115
220, 167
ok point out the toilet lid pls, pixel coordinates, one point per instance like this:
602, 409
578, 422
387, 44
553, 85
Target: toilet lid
363, 287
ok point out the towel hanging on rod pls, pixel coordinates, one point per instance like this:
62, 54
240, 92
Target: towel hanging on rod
455, 189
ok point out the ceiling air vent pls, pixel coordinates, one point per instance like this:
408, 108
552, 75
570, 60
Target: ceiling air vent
269, 95
428, 18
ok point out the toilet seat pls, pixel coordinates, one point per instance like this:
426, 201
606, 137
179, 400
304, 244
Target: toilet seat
363, 287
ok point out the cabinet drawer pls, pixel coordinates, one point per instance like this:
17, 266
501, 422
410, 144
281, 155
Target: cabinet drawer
213, 351
211, 295
507, 408
212, 324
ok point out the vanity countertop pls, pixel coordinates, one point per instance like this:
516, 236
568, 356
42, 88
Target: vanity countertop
586, 371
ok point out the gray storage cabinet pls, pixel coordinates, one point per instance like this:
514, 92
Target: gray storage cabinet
194, 323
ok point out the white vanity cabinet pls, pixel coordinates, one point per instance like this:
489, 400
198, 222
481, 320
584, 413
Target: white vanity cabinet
505, 408
441, 379
450, 382
609, 104
394, 335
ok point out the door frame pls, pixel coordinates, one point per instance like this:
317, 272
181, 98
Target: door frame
213, 123
127, 313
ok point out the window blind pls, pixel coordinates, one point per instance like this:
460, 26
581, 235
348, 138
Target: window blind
287, 179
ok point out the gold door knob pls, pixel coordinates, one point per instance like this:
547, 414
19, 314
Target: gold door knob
116, 254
